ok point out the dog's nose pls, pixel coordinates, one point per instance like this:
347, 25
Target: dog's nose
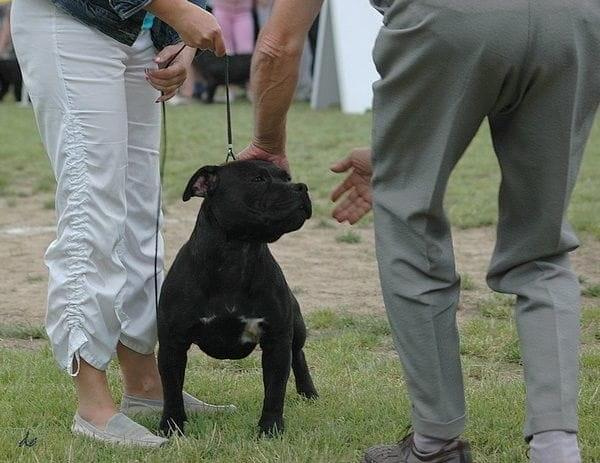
301, 187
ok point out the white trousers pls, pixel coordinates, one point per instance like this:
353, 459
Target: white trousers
100, 126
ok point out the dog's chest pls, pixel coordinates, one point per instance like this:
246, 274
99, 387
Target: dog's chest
250, 329
229, 333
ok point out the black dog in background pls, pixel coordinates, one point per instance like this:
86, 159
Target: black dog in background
226, 293
212, 70
10, 76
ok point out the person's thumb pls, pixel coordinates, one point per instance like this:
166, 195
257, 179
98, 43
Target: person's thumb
342, 165
165, 55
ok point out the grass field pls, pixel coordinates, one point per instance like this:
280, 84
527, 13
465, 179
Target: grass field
316, 139
363, 399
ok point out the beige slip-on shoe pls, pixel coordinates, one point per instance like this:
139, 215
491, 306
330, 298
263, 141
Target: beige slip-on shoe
134, 406
118, 430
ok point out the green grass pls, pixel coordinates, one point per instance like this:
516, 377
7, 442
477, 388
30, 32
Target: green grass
497, 306
22, 331
591, 290
348, 237
197, 137
363, 400
467, 283
363, 396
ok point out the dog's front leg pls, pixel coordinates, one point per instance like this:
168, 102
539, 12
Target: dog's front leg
276, 361
172, 361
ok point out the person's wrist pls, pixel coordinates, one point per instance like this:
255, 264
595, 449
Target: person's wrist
188, 54
271, 149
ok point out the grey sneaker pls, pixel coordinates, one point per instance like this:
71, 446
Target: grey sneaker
136, 406
455, 451
119, 430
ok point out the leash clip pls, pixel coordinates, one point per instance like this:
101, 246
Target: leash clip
230, 154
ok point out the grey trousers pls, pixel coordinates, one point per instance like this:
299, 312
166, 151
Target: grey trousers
533, 69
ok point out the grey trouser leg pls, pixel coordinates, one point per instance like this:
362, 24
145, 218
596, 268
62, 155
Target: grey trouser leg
532, 67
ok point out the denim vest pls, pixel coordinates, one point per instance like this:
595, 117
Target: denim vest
121, 19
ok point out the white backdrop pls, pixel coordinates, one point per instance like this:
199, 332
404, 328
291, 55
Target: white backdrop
344, 70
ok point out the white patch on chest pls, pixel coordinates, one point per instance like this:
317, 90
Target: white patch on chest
207, 320
252, 331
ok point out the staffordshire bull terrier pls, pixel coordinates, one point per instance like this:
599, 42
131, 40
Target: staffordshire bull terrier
226, 293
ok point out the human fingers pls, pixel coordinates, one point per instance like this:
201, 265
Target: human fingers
342, 187
342, 165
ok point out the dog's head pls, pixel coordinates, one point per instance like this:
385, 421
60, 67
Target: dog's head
251, 200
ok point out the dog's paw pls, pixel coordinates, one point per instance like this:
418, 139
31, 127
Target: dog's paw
309, 394
271, 427
170, 426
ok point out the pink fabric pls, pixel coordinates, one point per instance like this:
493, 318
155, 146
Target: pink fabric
237, 23
233, 5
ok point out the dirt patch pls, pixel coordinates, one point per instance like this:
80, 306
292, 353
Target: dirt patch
323, 272
22, 344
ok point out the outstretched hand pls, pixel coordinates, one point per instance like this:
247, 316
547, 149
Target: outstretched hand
357, 184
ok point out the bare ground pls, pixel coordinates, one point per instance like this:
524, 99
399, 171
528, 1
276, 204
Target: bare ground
323, 272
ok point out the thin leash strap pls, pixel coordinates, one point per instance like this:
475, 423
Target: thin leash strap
159, 202
230, 154
163, 151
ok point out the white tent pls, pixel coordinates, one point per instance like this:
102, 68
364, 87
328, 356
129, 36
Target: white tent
344, 69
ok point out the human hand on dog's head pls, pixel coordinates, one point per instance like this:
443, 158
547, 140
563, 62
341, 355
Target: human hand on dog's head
253, 151
359, 201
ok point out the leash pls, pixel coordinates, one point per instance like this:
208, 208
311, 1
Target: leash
161, 171
230, 154
163, 150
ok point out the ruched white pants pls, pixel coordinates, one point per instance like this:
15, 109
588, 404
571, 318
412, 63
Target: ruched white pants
100, 126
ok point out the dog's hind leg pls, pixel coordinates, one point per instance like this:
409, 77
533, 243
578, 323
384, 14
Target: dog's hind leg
211, 90
4, 84
18, 88
172, 360
304, 383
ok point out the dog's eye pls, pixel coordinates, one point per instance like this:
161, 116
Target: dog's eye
258, 178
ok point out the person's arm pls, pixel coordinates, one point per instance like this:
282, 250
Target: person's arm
196, 27
274, 75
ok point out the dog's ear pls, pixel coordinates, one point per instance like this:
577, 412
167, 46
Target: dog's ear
202, 183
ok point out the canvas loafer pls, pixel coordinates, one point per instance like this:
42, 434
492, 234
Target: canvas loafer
132, 406
118, 430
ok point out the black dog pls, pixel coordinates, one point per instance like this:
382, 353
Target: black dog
226, 293
212, 70
10, 76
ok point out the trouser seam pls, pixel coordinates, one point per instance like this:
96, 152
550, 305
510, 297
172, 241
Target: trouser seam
77, 177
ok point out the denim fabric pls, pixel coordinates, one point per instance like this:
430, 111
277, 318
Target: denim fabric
121, 19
